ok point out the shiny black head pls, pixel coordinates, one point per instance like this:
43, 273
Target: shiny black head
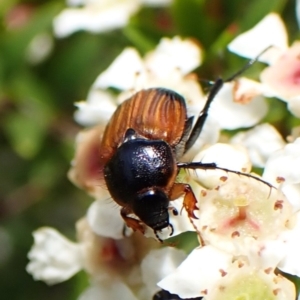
151, 207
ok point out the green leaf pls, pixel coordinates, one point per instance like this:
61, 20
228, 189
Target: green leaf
25, 135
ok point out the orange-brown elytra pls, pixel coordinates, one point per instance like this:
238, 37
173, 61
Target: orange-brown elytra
140, 152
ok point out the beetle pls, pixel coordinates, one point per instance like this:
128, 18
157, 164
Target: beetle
165, 295
140, 152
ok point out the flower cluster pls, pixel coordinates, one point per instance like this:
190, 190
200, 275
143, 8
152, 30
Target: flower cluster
247, 224
98, 15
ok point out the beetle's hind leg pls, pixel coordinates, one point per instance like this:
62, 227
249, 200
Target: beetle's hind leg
189, 202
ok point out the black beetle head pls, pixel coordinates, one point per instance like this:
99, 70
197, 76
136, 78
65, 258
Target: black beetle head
152, 208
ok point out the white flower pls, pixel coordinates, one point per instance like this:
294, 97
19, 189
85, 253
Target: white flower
248, 228
99, 15
53, 258
282, 170
260, 141
171, 60
214, 274
126, 268
260, 37
235, 209
85, 167
281, 78
239, 104
166, 66
98, 108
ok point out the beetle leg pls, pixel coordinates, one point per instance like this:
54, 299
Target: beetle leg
133, 223
189, 202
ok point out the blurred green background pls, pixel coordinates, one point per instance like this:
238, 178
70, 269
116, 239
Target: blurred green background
36, 110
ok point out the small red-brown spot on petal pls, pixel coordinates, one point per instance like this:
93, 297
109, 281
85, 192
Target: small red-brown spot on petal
223, 273
278, 204
217, 188
212, 229
268, 270
235, 234
204, 227
276, 292
203, 193
241, 94
223, 178
222, 288
240, 264
280, 179
244, 170
204, 292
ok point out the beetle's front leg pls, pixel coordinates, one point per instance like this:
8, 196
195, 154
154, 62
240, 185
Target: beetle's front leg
133, 223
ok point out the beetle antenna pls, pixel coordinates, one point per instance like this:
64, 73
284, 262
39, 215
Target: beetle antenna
213, 166
248, 65
218, 84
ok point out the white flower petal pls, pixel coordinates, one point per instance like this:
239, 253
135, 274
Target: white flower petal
283, 166
98, 108
198, 273
233, 115
266, 254
108, 290
158, 264
209, 135
233, 157
123, 73
94, 17
281, 79
53, 258
270, 31
261, 142
244, 281
104, 218
292, 192
291, 263
172, 54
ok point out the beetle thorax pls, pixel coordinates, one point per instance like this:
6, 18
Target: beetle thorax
139, 165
